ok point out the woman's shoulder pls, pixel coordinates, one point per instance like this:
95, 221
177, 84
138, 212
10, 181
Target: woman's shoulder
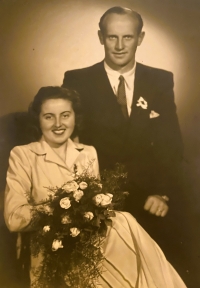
26, 147
25, 151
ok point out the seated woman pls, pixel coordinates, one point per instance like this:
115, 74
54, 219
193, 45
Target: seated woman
132, 258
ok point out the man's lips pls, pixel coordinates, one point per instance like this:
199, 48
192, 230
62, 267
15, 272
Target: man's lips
119, 53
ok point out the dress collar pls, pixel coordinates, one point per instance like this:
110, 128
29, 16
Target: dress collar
43, 148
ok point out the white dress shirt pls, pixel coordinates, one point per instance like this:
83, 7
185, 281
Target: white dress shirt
129, 78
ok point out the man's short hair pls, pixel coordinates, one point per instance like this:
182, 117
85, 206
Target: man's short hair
121, 11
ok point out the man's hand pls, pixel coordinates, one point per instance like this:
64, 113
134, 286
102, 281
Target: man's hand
157, 205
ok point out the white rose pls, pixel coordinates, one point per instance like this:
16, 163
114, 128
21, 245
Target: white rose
65, 203
45, 208
66, 219
56, 244
107, 199
102, 199
97, 199
78, 195
74, 231
46, 228
83, 185
88, 215
70, 186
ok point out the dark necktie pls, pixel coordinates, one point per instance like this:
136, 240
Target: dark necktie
121, 97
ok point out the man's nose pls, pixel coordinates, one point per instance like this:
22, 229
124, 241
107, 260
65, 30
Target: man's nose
119, 44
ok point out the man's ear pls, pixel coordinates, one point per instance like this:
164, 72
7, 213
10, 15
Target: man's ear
100, 37
141, 37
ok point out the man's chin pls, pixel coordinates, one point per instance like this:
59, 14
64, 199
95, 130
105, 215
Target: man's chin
116, 63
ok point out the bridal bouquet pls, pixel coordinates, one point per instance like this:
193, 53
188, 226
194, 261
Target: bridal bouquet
73, 225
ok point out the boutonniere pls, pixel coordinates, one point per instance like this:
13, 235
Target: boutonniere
142, 103
153, 114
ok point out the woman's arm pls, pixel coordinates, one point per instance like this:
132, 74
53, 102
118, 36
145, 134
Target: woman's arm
17, 210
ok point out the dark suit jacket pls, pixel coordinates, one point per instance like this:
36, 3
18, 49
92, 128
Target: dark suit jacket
150, 148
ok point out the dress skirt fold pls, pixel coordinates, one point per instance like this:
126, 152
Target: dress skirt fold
133, 259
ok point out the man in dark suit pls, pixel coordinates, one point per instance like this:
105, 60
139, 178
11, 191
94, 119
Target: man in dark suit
130, 117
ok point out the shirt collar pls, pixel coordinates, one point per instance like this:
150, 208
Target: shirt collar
114, 73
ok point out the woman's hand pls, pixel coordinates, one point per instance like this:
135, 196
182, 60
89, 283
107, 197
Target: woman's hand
157, 205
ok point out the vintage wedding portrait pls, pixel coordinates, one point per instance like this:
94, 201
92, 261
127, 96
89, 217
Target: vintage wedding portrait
99, 144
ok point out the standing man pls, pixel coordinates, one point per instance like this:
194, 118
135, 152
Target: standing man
130, 117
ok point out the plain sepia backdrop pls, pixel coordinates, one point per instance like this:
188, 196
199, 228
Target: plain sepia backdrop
41, 39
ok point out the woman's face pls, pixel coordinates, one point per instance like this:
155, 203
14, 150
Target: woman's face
57, 121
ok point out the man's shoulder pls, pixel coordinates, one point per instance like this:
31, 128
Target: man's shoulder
86, 70
83, 77
154, 71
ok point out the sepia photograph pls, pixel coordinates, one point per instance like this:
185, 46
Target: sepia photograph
99, 143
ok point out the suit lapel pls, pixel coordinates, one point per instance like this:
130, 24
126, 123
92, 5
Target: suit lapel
104, 94
138, 86
139, 117
103, 86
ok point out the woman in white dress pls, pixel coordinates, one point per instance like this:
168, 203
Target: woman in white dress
132, 258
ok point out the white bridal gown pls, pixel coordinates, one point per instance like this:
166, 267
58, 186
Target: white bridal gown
133, 259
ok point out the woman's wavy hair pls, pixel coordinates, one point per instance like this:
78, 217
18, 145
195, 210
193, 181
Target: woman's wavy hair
54, 92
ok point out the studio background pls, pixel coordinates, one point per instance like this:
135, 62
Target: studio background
40, 40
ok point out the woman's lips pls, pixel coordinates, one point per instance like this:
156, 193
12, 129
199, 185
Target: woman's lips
59, 131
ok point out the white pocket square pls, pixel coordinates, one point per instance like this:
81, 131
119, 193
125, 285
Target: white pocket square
153, 114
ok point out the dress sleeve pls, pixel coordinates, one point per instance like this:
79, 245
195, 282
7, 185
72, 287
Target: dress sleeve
17, 210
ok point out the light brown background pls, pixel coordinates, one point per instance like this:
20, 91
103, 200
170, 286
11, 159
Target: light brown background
41, 39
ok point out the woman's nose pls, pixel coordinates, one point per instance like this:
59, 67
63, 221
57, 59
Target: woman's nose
58, 122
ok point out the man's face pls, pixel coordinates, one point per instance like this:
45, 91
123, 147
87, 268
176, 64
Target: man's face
120, 38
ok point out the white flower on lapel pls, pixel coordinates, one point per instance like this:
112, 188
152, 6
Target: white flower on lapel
153, 114
142, 103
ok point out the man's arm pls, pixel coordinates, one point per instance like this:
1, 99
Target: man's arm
167, 146
157, 205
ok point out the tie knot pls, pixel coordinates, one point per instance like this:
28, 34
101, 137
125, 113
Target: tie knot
121, 78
